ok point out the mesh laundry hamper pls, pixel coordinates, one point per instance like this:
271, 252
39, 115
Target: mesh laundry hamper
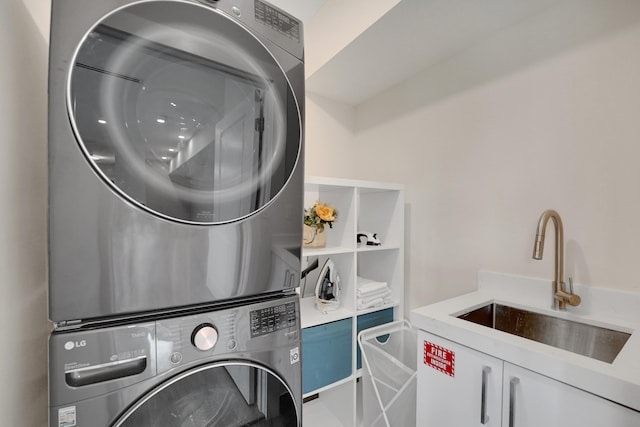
389, 377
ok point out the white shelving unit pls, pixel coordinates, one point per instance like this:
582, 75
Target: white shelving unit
362, 206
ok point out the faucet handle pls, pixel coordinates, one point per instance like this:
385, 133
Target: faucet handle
571, 299
568, 297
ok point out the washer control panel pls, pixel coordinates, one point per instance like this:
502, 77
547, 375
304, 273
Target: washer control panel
244, 328
274, 318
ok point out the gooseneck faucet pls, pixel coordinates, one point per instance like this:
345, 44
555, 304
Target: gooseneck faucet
561, 296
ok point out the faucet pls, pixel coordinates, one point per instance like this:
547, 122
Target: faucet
560, 296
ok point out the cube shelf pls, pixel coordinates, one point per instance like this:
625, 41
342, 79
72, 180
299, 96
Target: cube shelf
363, 206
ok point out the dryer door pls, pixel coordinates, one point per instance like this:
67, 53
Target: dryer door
184, 112
221, 394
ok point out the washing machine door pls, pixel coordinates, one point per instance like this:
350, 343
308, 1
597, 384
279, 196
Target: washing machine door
184, 112
220, 394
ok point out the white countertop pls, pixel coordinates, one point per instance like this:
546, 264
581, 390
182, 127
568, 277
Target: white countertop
618, 381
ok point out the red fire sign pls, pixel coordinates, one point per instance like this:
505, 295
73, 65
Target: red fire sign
440, 358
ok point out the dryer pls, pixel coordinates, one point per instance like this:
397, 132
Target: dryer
235, 366
175, 154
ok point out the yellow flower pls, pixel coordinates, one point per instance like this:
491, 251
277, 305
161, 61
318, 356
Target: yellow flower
320, 214
325, 212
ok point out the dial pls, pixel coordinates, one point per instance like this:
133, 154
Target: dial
204, 337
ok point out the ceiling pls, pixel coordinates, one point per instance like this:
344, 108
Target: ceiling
413, 36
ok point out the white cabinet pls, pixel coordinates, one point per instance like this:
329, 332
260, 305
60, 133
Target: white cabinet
362, 206
485, 391
468, 394
532, 400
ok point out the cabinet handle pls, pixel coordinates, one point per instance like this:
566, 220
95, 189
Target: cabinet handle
512, 400
484, 418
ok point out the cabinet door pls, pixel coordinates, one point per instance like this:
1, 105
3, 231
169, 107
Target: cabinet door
533, 400
457, 386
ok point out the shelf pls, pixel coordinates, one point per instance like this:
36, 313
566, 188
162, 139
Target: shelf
362, 206
326, 251
316, 413
392, 304
330, 409
316, 182
365, 248
311, 316
329, 386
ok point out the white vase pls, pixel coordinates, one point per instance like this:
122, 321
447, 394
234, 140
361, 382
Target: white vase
313, 238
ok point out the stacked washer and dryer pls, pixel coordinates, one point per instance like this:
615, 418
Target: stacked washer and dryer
175, 195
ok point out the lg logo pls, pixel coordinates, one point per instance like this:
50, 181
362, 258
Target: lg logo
70, 345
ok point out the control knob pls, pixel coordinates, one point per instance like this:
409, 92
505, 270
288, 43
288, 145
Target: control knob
204, 337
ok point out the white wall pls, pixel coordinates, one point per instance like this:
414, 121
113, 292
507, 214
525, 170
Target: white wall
23, 311
330, 138
542, 115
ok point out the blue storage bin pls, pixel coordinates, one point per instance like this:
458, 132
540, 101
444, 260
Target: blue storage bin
326, 354
369, 320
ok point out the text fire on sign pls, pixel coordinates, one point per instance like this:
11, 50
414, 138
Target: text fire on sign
440, 358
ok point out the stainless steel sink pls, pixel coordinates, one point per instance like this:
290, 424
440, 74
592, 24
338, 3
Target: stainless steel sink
592, 341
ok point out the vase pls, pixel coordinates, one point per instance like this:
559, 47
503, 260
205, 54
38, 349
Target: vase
313, 238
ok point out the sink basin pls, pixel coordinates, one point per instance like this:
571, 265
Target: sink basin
588, 340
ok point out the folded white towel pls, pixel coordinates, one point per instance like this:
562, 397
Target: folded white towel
365, 286
375, 303
379, 294
370, 294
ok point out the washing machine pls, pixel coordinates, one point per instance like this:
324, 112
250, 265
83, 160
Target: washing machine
234, 366
175, 154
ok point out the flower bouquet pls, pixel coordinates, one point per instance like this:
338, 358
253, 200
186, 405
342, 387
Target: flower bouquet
315, 219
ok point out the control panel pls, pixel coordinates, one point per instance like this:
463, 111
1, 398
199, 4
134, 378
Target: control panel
274, 318
277, 20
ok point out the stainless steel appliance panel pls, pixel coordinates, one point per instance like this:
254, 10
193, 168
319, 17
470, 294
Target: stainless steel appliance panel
175, 171
247, 369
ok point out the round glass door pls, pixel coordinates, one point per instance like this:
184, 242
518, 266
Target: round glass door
226, 394
183, 112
